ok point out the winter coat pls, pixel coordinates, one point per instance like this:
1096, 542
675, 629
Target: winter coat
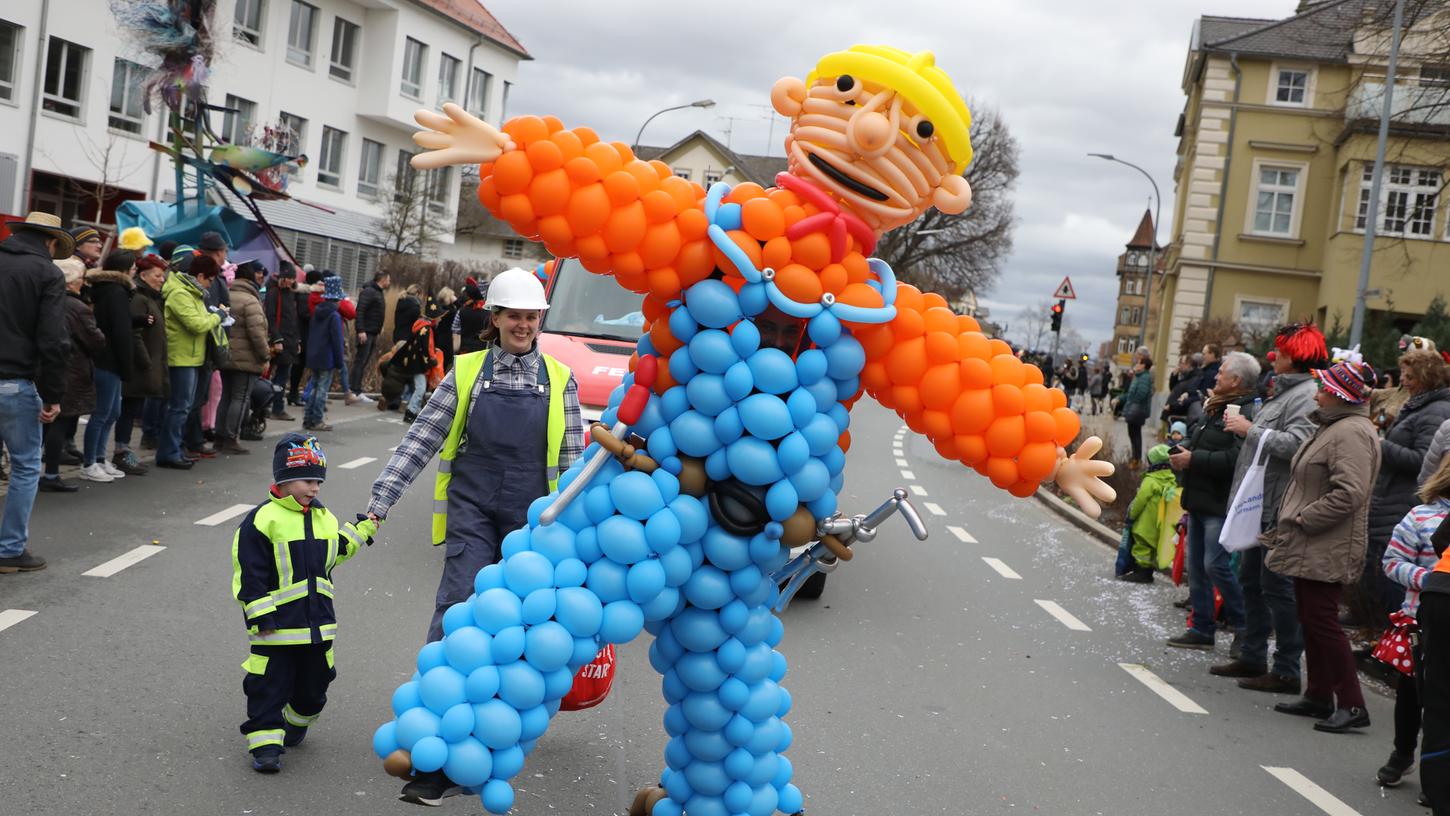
1439, 446
187, 320
407, 311
34, 343
1411, 553
1183, 394
218, 294
300, 298
1156, 488
471, 323
1286, 416
1403, 452
372, 310
324, 339
1215, 453
1140, 394
111, 302
87, 342
248, 334
283, 325
1323, 525
148, 345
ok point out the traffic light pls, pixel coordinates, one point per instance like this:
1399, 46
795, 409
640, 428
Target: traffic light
1057, 309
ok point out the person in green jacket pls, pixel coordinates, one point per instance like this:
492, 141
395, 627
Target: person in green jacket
1147, 513
1137, 405
188, 321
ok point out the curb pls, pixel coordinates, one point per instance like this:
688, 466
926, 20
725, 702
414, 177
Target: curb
1079, 519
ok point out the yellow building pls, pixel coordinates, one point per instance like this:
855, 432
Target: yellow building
1277, 142
1132, 290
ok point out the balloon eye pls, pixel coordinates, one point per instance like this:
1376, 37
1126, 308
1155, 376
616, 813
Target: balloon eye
924, 129
844, 83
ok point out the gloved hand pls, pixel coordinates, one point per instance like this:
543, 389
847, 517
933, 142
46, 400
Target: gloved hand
227, 323
366, 528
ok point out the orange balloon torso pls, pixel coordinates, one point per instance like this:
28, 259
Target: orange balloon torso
636, 220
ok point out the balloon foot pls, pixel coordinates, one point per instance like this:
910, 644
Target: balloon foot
645, 801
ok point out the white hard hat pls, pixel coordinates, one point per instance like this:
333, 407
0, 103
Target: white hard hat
516, 289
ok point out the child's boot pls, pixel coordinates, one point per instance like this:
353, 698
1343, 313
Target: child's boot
267, 760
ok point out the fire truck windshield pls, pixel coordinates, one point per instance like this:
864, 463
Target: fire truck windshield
584, 304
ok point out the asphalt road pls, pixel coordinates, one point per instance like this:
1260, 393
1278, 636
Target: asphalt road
929, 679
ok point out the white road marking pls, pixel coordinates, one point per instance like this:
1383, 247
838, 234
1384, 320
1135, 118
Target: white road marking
121, 562
1160, 687
231, 512
357, 463
1321, 798
918, 490
10, 617
934, 508
394, 449
908, 475
902, 463
1063, 616
964, 536
1001, 568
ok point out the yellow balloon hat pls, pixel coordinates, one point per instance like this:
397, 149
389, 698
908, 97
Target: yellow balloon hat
134, 239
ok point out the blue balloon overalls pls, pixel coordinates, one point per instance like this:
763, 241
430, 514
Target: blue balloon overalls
500, 469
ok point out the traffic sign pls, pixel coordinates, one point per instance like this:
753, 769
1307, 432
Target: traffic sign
1064, 290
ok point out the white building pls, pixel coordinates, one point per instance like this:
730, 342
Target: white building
344, 75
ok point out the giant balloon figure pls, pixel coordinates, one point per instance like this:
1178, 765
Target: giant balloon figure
768, 319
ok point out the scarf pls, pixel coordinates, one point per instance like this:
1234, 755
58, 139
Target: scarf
1218, 401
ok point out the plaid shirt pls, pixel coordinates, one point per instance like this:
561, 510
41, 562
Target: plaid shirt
426, 435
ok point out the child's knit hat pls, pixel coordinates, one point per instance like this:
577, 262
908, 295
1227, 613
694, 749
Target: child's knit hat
298, 456
1158, 454
1178, 428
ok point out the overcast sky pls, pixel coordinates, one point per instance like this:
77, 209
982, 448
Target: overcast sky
1068, 77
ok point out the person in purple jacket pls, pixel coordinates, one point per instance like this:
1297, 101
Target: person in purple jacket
325, 349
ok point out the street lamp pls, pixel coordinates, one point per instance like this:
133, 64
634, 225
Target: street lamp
699, 103
1153, 245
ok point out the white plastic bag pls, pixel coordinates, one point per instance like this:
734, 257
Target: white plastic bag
1242, 525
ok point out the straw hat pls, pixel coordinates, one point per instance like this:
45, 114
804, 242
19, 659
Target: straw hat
49, 226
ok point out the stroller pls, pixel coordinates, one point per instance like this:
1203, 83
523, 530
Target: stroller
254, 422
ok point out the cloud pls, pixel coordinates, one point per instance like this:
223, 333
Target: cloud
1068, 78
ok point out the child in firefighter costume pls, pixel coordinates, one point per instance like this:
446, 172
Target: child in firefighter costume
768, 319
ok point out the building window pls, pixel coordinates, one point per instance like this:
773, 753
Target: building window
370, 168
712, 176
300, 33
1132, 284
1125, 345
415, 55
682, 172
440, 184
65, 71
344, 49
1274, 201
9, 58
477, 103
513, 248
294, 129
403, 177
1407, 200
1434, 76
247, 22
447, 79
1135, 315
329, 167
503, 108
1260, 317
1293, 87
237, 124
126, 96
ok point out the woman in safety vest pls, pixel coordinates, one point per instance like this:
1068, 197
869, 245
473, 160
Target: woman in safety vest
505, 423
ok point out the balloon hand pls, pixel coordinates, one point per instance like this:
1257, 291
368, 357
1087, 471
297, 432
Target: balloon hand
1081, 477
456, 137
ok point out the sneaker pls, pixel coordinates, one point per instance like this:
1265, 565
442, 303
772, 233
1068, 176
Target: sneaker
283, 416
1395, 768
1238, 668
429, 789
1271, 683
267, 762
24, 562
292, 736
129, 464
56, 484
364, 399
1191, 640
316, 426
148, 443
113, 471
95, 473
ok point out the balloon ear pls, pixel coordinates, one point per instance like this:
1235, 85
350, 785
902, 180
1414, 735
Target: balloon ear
788, 95
953, 195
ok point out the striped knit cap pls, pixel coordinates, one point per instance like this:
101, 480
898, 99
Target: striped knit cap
1351, 382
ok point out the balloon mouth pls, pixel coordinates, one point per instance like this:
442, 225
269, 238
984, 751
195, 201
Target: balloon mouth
843, 179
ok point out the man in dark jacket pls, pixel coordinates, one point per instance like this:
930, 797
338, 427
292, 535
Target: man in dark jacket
33, 350
284, 330
325, 349
310, 277
372, 310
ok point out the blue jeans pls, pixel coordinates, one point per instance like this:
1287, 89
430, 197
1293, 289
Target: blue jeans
103, 419
1269, 607
20, 430
178, 405
1208, 567
153, 416
280, 374
316, 408
420, 390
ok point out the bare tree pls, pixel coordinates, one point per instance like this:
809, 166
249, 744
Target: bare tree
109, 159
412, 221
1033, 325
952, 254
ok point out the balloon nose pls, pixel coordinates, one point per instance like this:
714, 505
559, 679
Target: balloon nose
870, 131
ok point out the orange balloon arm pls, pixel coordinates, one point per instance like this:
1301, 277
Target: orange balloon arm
967, 393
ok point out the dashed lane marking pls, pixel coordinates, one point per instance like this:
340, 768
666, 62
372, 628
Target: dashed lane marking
10, 617
1001, 568
908, 475
902, 463
962, 535
934, 508
121, 562
394, 449
1160, 687
357, 463
1063, 616
918, 490
217, 518
1302, 785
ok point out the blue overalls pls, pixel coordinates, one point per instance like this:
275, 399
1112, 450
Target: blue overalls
500, 469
